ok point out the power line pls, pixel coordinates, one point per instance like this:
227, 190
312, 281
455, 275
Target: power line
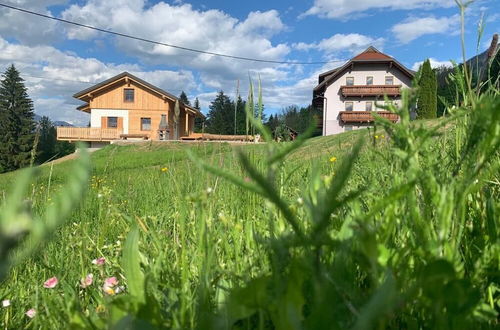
162, 43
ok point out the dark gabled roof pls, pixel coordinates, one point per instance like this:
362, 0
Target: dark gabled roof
123, 75
370, 55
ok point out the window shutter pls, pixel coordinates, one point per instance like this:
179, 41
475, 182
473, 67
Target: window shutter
120, 124
104, 122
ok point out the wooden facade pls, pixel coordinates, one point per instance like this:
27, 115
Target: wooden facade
131, 107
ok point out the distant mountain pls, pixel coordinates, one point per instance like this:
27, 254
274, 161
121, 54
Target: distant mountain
55, 123
61, 123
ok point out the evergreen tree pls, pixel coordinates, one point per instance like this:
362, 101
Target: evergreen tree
198, 122
48, 140
17, 123
184, 98
427, 93
221, 115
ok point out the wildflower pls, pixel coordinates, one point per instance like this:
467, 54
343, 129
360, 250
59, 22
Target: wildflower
164, 169
247, 179
382, 136
99, 261
209, 190
31, 313
333, 159
87, 281
300, 201
109, 285
5, 303
50, 283
376, 137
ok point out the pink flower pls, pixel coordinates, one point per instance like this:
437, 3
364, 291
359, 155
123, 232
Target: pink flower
99, 261
87, 281
31, 313
50, 283
111, 281
109, 284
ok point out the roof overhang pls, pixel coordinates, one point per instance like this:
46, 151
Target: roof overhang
87, 94
330, 76
84, 107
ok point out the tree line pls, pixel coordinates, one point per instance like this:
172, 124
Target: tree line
23, 141
228, 116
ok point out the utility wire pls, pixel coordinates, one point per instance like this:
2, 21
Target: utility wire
162, 43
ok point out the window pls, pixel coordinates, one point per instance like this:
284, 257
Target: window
349, 106
112, 122
369, 106
145, 124
369, 80
128, 95
349, 81
389, 80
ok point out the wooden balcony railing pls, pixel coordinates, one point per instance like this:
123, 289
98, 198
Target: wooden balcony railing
370, 90
365, 116
87, 134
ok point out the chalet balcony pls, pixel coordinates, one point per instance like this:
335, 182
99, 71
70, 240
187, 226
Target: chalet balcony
87, 134
370, 90
365, 116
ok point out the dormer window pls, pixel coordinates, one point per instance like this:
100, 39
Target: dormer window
128, 95
349, 81
369, 81
389, 80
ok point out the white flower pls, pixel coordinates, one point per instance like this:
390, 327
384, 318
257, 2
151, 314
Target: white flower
31, 313
5, 303
209, 190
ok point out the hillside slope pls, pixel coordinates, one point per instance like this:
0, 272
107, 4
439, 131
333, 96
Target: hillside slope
329, 235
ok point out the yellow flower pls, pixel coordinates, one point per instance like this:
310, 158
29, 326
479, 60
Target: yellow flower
164, 169
376, 137
333, 159
382, 137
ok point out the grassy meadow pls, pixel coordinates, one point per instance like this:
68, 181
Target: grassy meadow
395, 228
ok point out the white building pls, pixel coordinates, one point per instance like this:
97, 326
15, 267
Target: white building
349, 94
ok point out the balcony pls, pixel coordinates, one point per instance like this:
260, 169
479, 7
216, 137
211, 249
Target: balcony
365, 116
370, 90
87, 134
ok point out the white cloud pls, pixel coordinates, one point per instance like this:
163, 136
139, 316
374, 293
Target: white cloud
341, 9
434, 64
343, 43
211, 30
415, 27
26, 28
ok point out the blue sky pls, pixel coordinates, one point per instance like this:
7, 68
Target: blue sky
59, 60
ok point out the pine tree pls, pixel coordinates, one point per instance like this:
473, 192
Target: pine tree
427, 93
198, 122
221, 115
48, 140
16, 122
184, 98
